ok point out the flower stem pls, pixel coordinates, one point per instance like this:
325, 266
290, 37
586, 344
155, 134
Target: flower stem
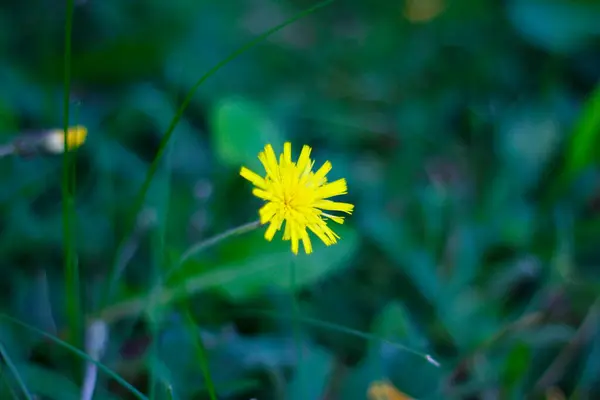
136, 305
203, 245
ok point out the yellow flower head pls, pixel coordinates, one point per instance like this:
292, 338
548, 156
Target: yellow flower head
297, 196
54, 140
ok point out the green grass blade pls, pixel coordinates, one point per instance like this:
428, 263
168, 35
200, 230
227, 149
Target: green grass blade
141, 196
70, 265
170, 394
192, 328
82, 355
15, 372
8, 385
581, 152
583, 147
345, 330
159, 259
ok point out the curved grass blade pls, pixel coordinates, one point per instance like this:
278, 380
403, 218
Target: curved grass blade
141, 196
79, 353
348, 331
15, 372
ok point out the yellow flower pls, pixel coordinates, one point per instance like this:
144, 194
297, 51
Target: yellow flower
384, 390
54, 140
297, 196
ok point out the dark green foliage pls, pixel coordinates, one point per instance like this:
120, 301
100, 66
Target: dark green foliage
470, 145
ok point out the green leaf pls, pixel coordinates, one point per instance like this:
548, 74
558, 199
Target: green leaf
517, 364
561, 25
249, 264
396, 240
230, 357
395, 322
241, 128
247, 267
51, 385
582, 150
527, 138
311, 375
18, 345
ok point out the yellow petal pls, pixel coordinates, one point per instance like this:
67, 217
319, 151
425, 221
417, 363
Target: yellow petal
263, 160
304, 159
320, 232
297, 196
273, 227
320, 174
54, 140
272, 160
267, 212
333, 237
294, 244
263, 194
335, 218
253, 177
287, 153
334, 206
287, 233
76, 136
297, 230
306, 242
332, 189
269, 161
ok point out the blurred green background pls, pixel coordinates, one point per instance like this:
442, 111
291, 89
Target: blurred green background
468, 134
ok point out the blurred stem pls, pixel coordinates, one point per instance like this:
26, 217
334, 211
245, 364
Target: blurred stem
159, 258
71, 269
295, 314
203, 245
554, 372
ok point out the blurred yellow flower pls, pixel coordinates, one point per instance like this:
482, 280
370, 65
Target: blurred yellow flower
554, 393
423, 10
383, 390
297, 196
54, 140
